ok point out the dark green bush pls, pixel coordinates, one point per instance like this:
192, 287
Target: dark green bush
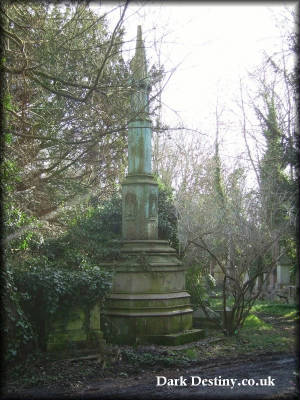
17, 330
63, 272
199, 285
167, 218
45, 290
92, 237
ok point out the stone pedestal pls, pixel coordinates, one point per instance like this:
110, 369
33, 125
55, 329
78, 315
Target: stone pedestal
149, 303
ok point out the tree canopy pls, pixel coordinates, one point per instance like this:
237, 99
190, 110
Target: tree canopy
67, 93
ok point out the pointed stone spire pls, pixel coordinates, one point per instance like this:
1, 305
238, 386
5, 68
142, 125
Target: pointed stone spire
138, 64
139, 80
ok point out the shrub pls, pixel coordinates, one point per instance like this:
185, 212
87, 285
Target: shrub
198, 285
43, 290
17, 330
167, 218
63, 272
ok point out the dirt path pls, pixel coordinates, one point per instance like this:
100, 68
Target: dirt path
127, 372
280, 370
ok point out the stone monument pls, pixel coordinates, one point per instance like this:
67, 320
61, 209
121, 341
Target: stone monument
148, 303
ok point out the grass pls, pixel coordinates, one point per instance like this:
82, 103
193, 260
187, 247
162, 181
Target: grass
292, 316
273, 308
254, 322
191, 354
268, 329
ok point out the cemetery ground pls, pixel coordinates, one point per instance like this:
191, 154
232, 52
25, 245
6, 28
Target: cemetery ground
268, 336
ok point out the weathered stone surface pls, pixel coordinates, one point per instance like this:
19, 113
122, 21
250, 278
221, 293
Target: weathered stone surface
164, 330
139, 81
139, 209
139, 147
78, 329
201, 320
283, 274
175, 339
148, 296
148, 302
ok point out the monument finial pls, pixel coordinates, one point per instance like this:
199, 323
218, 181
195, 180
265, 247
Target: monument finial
138, 64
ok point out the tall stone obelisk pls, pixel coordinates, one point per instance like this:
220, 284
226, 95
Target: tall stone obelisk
148, 303
139, 206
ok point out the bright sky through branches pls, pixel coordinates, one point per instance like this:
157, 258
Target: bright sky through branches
214, 46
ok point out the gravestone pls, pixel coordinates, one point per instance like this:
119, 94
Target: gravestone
79, 329
148, 303
283, 271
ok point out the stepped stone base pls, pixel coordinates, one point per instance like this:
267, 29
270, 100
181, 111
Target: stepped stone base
174, 339
148, 303
141, 328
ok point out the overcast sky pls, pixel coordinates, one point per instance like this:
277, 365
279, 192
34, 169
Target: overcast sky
213, 45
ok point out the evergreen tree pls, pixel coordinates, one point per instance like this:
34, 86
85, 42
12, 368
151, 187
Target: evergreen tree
274, 182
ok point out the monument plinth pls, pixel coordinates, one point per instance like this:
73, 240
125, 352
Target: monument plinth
148, 303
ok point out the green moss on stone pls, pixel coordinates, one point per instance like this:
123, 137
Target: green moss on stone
78, 329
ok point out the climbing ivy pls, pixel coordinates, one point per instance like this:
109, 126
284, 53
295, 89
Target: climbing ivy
42, 291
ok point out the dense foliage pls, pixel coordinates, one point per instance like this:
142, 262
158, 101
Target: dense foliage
66, 102
73, 269
95, 232
67, 93
200, 285
46, 290
167, 217
63, 68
